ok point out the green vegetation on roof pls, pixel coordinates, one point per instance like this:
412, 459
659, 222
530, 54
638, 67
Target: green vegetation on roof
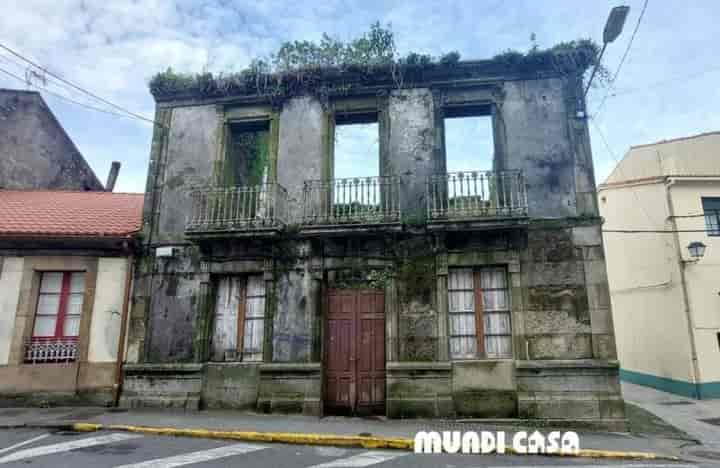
332, 65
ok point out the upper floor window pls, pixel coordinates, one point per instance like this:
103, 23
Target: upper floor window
57, 317
239, 318
469, 143
357, 145
479, 313
711, 208
247, 153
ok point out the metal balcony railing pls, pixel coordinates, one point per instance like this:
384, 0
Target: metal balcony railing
41, 349
241, 208
476, 195
359, 200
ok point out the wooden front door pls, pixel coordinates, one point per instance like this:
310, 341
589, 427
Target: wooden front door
355, 352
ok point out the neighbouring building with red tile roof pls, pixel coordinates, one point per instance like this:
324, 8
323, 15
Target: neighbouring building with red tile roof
35, 150
66, 263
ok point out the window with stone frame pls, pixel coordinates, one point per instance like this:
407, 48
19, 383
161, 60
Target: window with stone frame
711, 209
247, 153
239, 328
56, 326
479, 313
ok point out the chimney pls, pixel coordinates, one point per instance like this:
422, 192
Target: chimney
112, 176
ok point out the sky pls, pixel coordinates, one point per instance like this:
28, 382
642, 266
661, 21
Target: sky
667, 87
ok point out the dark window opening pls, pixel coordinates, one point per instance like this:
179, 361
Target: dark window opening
711, 208
247, 157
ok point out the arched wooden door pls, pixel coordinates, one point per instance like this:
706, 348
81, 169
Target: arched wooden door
354, 356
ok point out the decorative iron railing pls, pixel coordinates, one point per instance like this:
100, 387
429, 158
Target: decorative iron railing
239, 208
360, 200
476, 194
40, 349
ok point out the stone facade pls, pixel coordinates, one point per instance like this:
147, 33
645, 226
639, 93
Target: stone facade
562, 361
36, 153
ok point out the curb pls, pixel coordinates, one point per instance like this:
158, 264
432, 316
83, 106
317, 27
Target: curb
368, 442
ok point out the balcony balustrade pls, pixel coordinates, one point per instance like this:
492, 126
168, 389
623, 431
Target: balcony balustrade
476, 195
42, 350
240, 208
359, 200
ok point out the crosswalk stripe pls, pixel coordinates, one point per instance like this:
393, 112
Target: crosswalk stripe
66, 446
196, 457
362, 459
624, 465
24, 442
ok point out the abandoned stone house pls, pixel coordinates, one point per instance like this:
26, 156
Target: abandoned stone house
274, 282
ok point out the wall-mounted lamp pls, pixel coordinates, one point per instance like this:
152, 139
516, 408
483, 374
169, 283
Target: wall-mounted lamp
696, 250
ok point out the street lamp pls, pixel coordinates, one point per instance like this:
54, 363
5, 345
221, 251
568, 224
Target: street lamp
613, 28
696, 249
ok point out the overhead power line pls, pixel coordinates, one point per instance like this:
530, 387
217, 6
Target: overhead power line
64, 98
656, 84
622, 60
77, 87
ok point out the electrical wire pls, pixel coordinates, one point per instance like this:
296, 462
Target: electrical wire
79, 88
625, 55
623, 92
64, 98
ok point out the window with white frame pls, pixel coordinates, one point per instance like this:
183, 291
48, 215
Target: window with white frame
57, 317
479, 313
711, 209
239, 318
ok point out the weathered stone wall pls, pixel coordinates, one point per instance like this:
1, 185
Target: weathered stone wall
411, 147
36, 151
535, 116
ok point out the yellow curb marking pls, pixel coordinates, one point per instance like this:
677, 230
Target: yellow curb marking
400, 443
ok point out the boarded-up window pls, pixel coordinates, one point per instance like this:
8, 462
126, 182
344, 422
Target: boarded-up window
239, 318
479, 313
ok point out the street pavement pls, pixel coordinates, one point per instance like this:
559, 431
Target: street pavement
58, 449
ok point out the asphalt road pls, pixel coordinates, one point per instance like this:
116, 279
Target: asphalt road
35, 448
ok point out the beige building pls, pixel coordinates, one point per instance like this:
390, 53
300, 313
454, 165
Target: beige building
65, 279
666, 303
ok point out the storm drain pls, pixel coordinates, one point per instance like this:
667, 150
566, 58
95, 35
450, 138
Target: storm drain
713, 421
676, 403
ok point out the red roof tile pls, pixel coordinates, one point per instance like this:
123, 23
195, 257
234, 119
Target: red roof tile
69, 214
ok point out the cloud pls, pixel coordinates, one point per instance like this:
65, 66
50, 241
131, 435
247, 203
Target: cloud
114, 47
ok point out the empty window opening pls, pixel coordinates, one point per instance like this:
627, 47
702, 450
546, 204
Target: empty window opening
469, 144
247, 157
711, 209
357, 145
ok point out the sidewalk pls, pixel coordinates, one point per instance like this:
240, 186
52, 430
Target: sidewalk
240, 421
684, 413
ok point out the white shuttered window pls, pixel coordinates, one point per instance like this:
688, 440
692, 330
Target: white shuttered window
239, 318
479, 313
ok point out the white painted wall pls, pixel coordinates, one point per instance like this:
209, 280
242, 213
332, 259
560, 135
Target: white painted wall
10, 278
702, 277
651, 328
107, 309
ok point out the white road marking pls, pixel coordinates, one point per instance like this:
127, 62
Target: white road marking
625, 465
66, 446
24, 442
362, 459
197, 457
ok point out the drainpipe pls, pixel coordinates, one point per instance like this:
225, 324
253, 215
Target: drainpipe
686, 300
123, 331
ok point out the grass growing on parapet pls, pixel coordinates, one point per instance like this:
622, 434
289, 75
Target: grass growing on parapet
642, 422
322, 67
